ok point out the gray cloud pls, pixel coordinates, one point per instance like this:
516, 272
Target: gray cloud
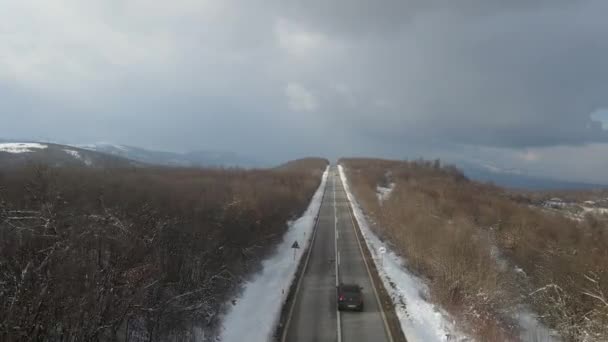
524, 77
280, 79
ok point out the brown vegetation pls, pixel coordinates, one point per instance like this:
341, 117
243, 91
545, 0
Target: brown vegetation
484, 253
135, 254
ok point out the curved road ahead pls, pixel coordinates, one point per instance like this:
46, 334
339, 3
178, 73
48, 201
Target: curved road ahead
336, 256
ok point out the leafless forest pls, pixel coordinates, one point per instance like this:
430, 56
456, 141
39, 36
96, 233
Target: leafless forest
487, 254
136, 254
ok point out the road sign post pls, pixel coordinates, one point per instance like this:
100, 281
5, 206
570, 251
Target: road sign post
382, 251
295, 248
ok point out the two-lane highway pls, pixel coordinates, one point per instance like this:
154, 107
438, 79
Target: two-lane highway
336, 256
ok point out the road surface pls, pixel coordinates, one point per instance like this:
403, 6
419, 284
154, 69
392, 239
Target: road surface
335, 250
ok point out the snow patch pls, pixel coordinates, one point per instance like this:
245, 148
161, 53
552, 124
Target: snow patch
595, 211
384, 193
21, 147
73, 153
257, 310
420, 320
531, 329
77, 155
103, 146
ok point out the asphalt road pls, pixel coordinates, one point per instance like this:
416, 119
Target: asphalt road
314, 317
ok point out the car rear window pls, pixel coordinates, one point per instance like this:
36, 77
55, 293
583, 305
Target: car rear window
350, 288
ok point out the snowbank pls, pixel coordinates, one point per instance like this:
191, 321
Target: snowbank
256, 312
420, 320
20, 147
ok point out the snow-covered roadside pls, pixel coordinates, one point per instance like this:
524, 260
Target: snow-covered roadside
420, 320
256, 312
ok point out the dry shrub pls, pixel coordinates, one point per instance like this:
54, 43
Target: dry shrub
466, 238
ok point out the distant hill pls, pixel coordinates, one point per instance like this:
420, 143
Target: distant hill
189, 159
512, 178
15, 154
303, 163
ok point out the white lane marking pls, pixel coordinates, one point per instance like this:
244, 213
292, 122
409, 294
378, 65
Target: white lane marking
339, 319
336, 233
369, 272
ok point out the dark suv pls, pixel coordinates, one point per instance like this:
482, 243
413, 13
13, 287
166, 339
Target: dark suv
350, 297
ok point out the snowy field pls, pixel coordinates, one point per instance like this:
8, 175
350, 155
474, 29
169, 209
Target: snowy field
255, 315
21, 147
421, 321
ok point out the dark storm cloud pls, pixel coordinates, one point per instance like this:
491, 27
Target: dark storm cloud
389, 16
492, 73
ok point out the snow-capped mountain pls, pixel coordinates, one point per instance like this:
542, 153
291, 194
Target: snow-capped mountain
515, 178
23, 153
189, 159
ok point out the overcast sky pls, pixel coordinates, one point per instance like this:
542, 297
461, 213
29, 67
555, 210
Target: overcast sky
521, 83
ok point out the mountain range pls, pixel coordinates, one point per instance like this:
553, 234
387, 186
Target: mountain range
15, 154
188, 159
519, 179
104, 155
